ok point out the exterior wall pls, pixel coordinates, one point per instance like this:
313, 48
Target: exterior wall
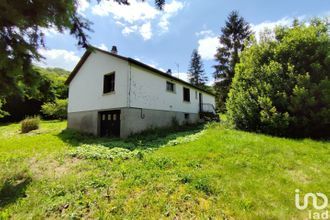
135, 89
132, 120
86, 88
86, 121
148, 90
135, 120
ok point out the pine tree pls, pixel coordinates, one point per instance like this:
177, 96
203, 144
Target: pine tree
196, 71
235, 32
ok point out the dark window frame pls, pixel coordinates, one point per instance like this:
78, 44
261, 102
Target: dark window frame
186, 94
109, 82
172, 85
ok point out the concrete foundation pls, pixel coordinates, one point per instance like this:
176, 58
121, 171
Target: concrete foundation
85, 122
132, 120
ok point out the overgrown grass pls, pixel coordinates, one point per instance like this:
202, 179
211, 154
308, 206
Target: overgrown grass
210, 172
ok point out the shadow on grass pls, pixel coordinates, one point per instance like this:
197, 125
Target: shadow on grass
149, 139
13, 190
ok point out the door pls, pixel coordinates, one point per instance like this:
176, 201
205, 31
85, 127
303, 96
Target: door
200, 102
110, 123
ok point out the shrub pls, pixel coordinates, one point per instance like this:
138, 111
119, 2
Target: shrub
55, 110
281, 87
29, 124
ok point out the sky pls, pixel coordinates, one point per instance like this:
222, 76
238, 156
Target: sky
165, 39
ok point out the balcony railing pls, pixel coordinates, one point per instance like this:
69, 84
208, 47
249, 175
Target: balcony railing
207, 107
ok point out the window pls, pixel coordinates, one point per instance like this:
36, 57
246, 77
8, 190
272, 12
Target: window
109, 83
195, 94
170, 87
186, 116
186, 94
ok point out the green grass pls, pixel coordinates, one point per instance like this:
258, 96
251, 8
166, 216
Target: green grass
210, 172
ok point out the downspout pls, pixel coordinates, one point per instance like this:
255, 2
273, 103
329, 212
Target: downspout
129, 85
142, 115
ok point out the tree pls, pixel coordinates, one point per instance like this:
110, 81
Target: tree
282, 84
196, 71
55, 110
235, 32
22, 27
50, 87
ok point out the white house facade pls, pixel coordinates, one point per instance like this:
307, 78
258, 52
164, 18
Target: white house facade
112, 95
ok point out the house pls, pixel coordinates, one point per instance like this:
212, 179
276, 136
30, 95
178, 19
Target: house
112, 95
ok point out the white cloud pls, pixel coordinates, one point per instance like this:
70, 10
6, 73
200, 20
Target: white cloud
128, 30
52, 31
211, 81
58, 58
270, 25
83, 5
207, 47
204, 33
139, 16
145, 31
103, 47
182, 75
209, 42
136, 11
170, 10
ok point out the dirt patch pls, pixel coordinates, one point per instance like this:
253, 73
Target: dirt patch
52, 168
300, 176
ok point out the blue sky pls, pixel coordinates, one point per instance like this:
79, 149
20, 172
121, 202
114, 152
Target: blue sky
165, 39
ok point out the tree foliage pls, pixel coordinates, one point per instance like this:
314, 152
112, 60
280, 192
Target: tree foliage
196, 71
282, 86
233, 35
50, 87
22, 30
56, 109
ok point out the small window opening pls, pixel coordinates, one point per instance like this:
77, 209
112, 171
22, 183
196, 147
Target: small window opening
109, 83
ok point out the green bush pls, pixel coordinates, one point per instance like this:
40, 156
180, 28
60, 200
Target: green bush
29, 124
55, 110
282, 87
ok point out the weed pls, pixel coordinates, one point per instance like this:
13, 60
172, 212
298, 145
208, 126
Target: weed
101, 152
164, 163
203, 184
30, 124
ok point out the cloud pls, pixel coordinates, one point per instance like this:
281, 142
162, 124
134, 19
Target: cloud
211, 81
53, 31
136, 11
82, 6
258, 29
145, 31
139, 17
182, 75
58, 58
128, 30
208, 42
170, 10
204, 33
103, 47
207, 47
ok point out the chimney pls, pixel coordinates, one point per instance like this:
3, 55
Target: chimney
169, 71
114, 50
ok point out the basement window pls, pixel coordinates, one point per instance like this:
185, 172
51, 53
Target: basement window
109, 83
170, 87
186, 94
186, 116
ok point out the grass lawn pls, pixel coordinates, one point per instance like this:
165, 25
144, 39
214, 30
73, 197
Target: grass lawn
210, 172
